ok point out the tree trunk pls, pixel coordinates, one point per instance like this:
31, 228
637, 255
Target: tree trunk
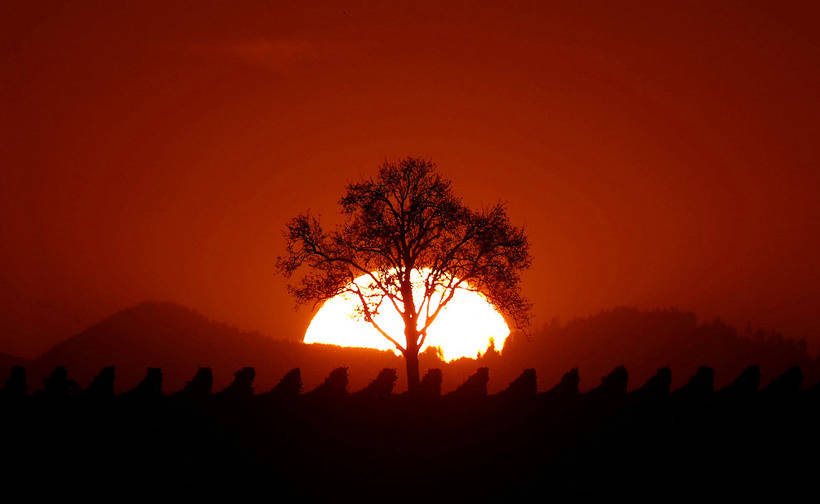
412, 359
411, 356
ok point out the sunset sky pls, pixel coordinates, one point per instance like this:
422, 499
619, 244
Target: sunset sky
657, 155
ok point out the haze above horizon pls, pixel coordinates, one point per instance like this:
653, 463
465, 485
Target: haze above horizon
658, 155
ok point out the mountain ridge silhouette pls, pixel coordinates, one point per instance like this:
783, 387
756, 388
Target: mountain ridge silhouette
180, 340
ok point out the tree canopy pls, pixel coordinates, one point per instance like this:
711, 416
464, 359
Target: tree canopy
405, 228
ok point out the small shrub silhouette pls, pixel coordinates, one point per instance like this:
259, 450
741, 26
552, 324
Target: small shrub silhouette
612, 385
15, 385
200, 385
382, 386
700, 385
149, 388
526, 385
101, 387
288, 387
430, 386
745, 385
656, 388
334, 386
242, 385
58, 385
475, 386
786, 385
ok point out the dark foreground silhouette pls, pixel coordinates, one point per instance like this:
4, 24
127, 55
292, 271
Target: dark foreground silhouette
375, 444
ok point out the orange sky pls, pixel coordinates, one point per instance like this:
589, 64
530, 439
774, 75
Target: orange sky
658, 156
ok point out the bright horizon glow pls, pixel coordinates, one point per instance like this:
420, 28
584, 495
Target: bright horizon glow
464, 328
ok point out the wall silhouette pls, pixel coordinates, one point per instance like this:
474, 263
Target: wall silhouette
329, 440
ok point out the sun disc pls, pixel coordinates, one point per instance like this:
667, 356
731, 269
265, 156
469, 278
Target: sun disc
465, 327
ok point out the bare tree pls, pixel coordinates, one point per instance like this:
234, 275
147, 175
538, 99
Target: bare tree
403, 225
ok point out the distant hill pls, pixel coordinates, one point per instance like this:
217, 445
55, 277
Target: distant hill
643, 341
179, 340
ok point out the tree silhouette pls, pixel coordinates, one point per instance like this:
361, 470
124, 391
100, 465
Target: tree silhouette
405, 229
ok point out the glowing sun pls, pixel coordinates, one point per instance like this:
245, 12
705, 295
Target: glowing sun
464, 328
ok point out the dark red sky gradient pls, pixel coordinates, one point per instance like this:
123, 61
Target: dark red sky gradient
657, 155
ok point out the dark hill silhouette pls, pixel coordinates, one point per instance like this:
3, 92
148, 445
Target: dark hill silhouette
180, 341
642, 341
